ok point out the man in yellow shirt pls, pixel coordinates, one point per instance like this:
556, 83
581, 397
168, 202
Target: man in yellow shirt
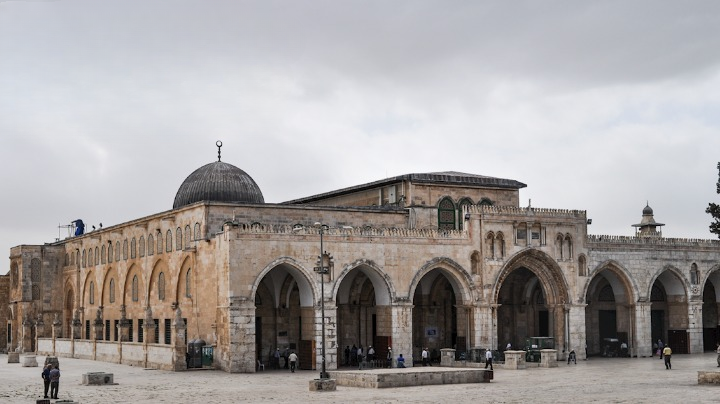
667, 352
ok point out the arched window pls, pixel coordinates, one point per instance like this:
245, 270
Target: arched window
92, 292
485, 202
97, 256
490, 246
475, 263
117, 251
141, 245
161, 286
499, 246
103, 255
135, 289
151, 245
178, 239
67, 259
110, 252
90, 257
76, 259
84, 259
568, 248
133, 248
35, 270
168, 241
196, 232
125, 249
112, 290
159, 242
188, 236
188, 275
446, 214
582, 266
559, 247
694, 274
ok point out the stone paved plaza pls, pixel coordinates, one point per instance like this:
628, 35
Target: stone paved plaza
600, 380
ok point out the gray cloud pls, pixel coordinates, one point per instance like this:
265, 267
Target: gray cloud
105, 107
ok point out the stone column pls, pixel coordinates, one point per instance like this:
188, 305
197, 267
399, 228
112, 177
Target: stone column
56, 327
237, 355
98, 325
27, 325
149, 327
695, 327
484, 329
643, 338
76, 325
402, 330
180, 342
39, 331
578, 338
331, 347
123, 326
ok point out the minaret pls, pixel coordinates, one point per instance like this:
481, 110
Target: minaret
648, 227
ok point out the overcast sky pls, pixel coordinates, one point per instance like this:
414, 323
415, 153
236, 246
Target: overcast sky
107, 106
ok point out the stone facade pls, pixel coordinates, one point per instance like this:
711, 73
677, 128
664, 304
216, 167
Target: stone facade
443, 260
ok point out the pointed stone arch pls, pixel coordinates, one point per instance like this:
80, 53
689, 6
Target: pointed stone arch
544, 267
381, 281
622, 276
309, 293
458, 277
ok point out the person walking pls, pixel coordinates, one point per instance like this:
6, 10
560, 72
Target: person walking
660, 348
390, 357
293, 361
424, 356
488, 359
667, 352
276, 358
286, 355
46, 379
54, 382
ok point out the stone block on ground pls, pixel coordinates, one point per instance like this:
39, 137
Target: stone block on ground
711, 377
29, 361
323, 385
13, 357
97, 379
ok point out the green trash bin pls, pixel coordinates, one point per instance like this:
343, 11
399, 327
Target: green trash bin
207, 356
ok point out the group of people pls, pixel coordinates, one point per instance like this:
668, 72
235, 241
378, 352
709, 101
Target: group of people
289, 356
51, 380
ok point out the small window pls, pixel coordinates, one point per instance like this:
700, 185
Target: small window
97, 256
161, 286
196, 232
103, 256
178, 240
92, 292
112, 291
133, 248
188, 237
117, 251
168, 241
125, 250
110, 252
135, 289
141, 246
151, 245
140, 330
159, 242
446, 214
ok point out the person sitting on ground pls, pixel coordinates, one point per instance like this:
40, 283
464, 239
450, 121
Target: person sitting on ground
400, 361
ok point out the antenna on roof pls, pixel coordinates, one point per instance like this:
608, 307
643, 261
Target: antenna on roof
219, 145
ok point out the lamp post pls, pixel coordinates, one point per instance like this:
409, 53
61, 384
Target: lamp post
323, 267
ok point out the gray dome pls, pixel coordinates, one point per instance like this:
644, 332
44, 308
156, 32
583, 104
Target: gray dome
218, 182
647, 210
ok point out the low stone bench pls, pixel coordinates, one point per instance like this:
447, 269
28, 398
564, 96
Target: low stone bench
97, 379
13, 357
708, 377
29, 361
323, 385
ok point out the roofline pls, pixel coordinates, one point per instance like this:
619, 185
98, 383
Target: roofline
418, 178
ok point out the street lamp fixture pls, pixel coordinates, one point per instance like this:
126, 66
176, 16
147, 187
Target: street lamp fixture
323, 267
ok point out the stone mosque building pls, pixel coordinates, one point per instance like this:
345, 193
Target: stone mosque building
436, 260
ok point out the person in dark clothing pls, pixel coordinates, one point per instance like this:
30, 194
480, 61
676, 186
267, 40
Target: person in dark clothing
54, 382
572, 357
46, 379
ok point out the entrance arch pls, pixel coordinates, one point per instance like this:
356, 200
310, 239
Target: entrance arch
669, 310
441, 312
610, 312
364, 312
711, 310
284, 314
530, 293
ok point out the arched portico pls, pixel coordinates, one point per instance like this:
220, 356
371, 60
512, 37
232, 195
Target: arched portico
284, 312
531, 295
711, 309
610, 312
364, 313
669, 319
441, 316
